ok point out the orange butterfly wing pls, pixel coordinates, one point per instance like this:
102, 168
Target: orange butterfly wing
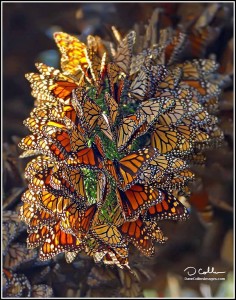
139, 197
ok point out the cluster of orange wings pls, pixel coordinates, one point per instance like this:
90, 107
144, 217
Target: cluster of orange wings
89, 102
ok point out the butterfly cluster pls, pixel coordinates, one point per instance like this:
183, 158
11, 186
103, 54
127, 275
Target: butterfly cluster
115, 134
15, 256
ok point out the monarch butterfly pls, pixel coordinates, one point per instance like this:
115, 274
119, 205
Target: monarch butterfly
63, 85
112, 257
17, 285
116, 215
193, 77
40, 88
95, 44
153, 109
123, 55
157, 73
76, 220
40, 181
77, 139
138, 232
53, 181
51, 90
143, 58
96, 66
175, 48
177, 139
112, 108
213, 90
103, 188
108, 234
55, 204
58, 182
211, 105
69, 112
169, 208
37, 237
126, 170
35, 124
58, 241
92, 115
29, 197
34, 216
73, 53
104, 125
88, 157
61, 148
42, 97
41, 291
128, 126
116, 81
139, 86
198, 85
191, 70
51, 114
200, 136
171, 80
17, 255
50, 111
176, 164
40, 218
29, 142
27, 211
161, 170
137, 62
137, 198
207, 66
36, 144
163, 138
192, 107
174, 116
156, 169
76, 180
175, 180
117, 256
91, 112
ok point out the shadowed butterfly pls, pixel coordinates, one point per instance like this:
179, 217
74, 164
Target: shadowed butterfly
41, 291
17, 285
18, 255
123, 54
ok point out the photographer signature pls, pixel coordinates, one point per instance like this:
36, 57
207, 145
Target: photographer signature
210, 270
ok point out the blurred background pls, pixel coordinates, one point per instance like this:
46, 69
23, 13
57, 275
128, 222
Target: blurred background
205, 240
